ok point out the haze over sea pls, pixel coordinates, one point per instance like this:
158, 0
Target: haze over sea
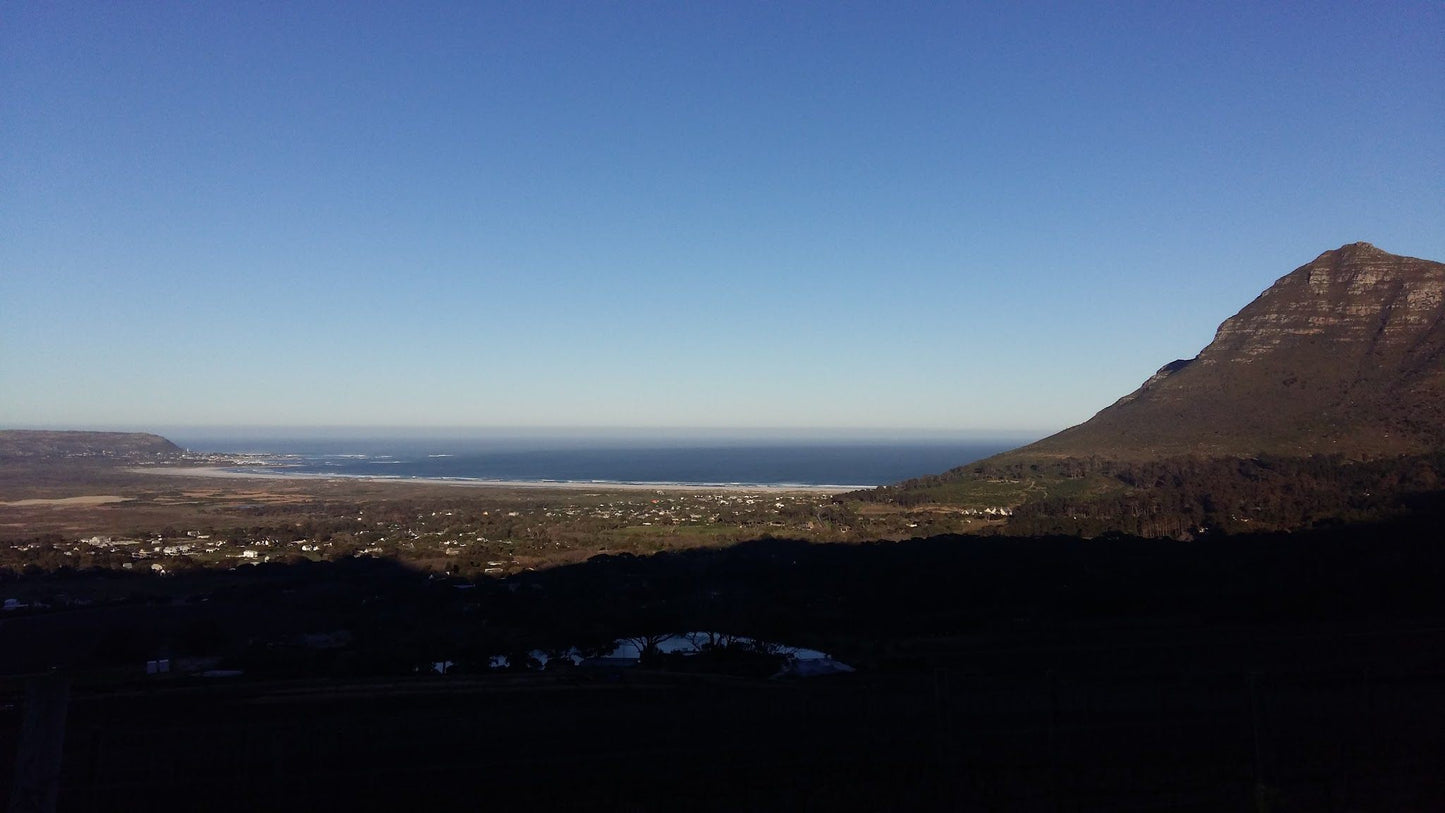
662, 458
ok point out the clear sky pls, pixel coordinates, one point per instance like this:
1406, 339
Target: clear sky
947, 216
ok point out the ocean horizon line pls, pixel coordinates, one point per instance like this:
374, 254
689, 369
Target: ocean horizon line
280, 473
175, 432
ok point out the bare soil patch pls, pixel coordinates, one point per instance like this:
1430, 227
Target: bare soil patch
65, 502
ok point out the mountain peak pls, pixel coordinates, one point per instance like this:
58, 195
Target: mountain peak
1352, 255
1356, 248
1343, 355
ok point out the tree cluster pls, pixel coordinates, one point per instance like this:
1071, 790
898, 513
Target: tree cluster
1185, 496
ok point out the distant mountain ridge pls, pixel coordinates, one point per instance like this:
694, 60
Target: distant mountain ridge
1344, 355
31, 444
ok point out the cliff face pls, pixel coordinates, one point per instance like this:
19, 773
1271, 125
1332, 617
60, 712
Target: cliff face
1356, 295
1345, 354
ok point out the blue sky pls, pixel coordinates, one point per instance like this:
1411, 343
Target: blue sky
903, 217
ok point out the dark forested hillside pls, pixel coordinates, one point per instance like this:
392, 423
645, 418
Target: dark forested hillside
1181, 497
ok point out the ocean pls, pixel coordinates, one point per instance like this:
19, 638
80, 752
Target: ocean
776, 461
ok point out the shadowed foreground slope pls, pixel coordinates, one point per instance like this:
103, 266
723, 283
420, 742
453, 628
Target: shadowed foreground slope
1022, 674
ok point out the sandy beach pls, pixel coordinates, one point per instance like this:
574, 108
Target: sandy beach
560, 485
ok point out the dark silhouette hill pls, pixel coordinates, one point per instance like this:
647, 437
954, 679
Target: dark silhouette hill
1344, 355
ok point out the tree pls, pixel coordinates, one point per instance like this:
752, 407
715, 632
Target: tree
648, 645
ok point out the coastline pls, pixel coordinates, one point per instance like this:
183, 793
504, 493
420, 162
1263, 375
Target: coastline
223, 472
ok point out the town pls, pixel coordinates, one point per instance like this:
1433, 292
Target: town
459, 531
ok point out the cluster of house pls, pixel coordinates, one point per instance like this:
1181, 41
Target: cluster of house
991, 511
201, 544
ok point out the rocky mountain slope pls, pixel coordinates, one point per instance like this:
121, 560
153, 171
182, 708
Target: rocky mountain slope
1323, 400
1344, 355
